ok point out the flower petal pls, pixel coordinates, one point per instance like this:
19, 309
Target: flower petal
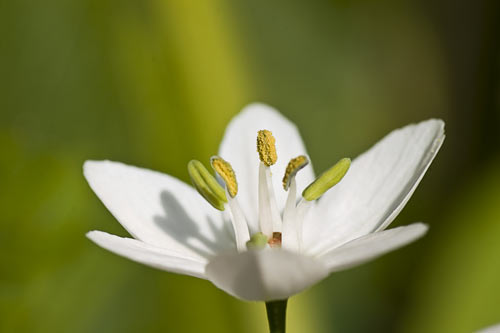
239, 148
490, 329
264, 275
149, 254
376, 187
371, 246
159, 209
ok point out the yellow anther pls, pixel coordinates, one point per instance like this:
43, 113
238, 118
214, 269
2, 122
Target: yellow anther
266, 147
225, 171
327, 180
292, 168
206, 184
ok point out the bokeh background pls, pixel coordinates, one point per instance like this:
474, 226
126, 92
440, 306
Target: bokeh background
153, 83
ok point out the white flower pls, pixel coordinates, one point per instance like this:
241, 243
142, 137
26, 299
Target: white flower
177, 230
491, 329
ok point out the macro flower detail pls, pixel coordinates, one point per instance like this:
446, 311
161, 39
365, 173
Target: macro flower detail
266, 228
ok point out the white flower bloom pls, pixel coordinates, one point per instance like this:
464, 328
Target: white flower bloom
177, 230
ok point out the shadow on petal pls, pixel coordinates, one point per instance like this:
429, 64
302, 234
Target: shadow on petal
177, 223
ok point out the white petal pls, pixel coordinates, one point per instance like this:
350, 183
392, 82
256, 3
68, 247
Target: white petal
371, 246
149, 254
377, 186
491, 329
240, 149
265, 275
159, 209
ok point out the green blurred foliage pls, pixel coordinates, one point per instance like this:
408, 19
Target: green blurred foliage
154, 82
462, 277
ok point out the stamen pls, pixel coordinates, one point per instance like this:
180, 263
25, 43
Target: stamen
292, 168
291, 230
227, 174
258, 241
269, 216
327, 180
206, 184
240, 226
266, 147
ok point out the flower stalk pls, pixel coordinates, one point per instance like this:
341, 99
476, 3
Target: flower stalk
276, 316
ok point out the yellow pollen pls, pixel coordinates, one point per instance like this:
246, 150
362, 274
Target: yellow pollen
292, 168
224, 169
266, 147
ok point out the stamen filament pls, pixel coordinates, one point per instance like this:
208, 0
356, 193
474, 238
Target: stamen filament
239, 222
275, 215
290, 232
265, 219
301, 212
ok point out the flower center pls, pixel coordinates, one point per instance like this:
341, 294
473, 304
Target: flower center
276, 230
275, 241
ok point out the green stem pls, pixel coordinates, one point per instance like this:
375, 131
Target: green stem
276, 316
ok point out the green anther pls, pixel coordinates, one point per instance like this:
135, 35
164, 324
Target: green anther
327, 180
258, 241
206, 184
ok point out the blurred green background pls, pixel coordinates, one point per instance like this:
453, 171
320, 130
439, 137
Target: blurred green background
154, 82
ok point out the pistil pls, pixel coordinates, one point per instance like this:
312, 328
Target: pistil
258, 241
